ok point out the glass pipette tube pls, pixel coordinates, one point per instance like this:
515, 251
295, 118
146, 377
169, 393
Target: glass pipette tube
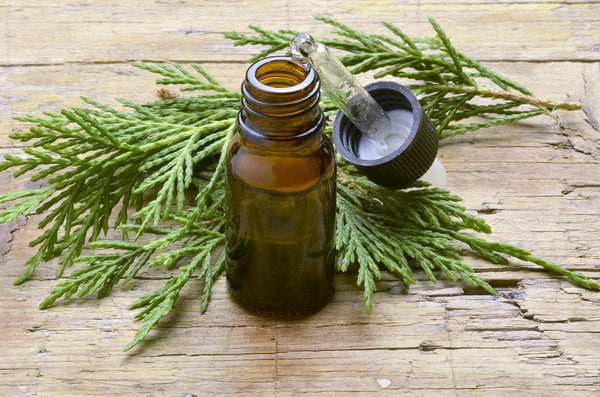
350, 96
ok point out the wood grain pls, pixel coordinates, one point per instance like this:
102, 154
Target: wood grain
537, 185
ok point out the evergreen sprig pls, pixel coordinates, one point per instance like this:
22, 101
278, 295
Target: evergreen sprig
397, 237
99, 160
97, 163
448, 83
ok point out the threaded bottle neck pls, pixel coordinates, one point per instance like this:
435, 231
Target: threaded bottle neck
280, 100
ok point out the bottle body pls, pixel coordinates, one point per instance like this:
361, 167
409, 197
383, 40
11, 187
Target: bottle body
280, 194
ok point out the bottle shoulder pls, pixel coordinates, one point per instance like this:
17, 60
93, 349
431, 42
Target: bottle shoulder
284, 170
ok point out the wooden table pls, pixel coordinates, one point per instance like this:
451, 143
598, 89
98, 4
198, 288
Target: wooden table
537, 185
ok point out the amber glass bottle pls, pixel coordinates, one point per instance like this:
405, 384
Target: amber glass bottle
280, 194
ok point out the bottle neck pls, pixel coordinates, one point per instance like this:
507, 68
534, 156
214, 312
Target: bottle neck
280, 104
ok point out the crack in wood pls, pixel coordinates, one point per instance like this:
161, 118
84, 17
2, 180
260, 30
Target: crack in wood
591, 102
7, 231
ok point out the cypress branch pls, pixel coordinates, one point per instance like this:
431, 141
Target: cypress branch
98, 162
516, 97
433, 67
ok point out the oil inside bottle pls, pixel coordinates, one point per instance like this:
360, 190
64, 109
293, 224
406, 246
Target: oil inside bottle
281, 255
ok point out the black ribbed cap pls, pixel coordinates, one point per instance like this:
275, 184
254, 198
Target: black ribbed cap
407, 163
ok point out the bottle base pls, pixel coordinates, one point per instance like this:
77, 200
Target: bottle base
279, 311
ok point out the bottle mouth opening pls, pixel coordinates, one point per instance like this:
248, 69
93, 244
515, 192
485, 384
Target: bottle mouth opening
280, 75
281, 95
275, 77
278, 86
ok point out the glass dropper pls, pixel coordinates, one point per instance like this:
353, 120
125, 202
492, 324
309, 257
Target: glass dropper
382, 135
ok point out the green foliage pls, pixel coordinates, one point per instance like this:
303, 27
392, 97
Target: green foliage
96, 160
97, 163
448, 83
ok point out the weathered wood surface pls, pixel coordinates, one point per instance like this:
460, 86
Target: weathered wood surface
537, 185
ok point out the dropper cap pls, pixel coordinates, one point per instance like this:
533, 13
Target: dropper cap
407, 163
402, 151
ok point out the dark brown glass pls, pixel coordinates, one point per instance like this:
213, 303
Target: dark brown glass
280, 194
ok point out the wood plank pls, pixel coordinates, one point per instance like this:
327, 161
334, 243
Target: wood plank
100, 32
537, 186
255, 355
